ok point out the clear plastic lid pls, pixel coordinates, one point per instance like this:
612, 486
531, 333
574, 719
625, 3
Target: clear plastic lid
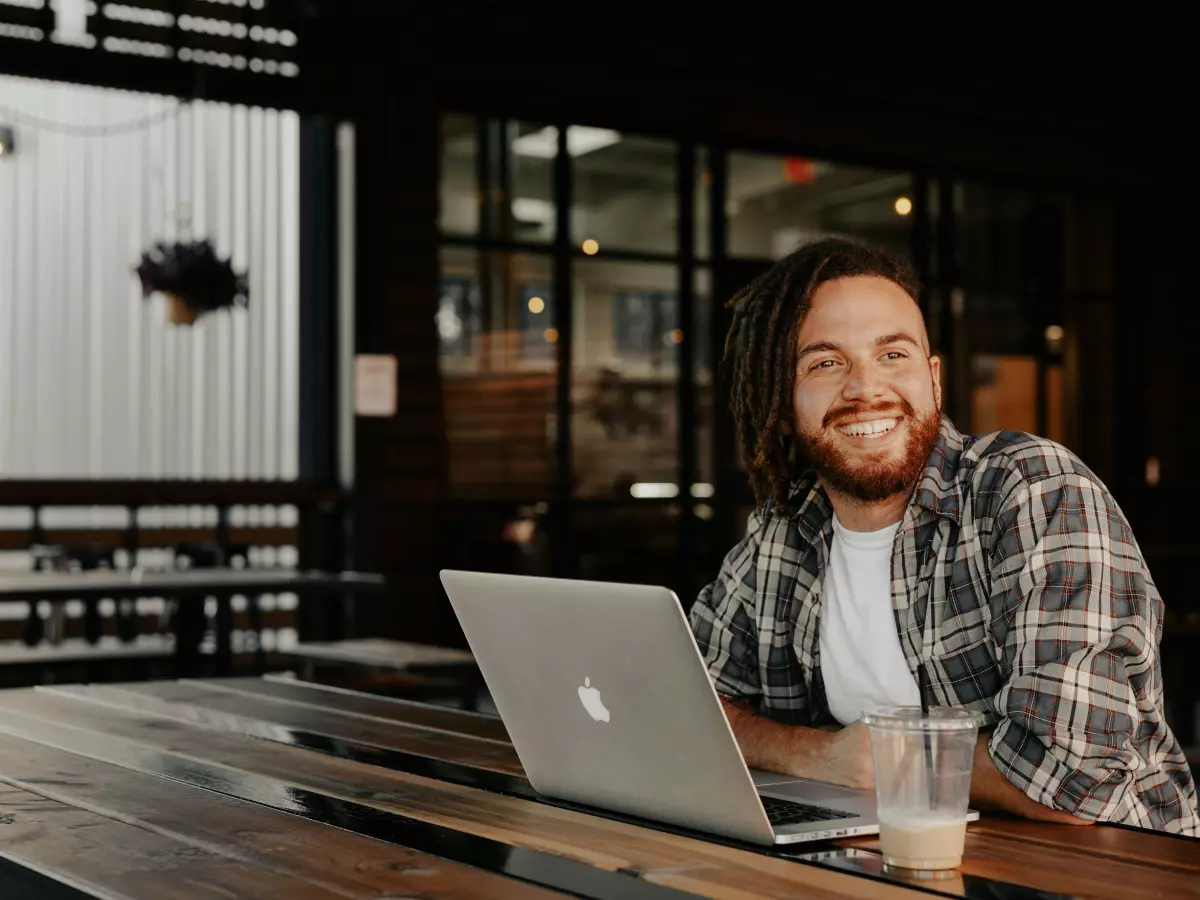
910, 718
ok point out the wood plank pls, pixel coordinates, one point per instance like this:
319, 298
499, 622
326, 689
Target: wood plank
146, 646
1068, 870
115, 859
265, 718
1130, 845
147, 538
983, 859
272, 774
368, 706
383, 653
330, 858
1125, 844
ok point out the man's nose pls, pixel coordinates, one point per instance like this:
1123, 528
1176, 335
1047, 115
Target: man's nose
863, 383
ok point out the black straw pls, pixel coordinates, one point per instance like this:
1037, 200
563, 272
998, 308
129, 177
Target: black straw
923, 689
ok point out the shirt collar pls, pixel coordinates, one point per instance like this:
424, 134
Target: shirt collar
938, 489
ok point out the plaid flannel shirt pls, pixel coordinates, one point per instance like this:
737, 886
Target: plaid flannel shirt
1017, 580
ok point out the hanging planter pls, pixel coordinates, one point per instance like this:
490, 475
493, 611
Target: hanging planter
178, 311
192, 279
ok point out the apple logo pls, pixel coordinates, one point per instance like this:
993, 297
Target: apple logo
590, 697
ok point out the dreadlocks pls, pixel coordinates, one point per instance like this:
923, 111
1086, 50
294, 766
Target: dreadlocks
760, 350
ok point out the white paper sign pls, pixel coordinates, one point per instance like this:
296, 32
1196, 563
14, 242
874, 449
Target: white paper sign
374, 385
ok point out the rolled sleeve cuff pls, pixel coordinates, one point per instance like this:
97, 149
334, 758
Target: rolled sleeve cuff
1095, 791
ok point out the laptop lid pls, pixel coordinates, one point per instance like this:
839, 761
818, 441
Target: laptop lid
607, 699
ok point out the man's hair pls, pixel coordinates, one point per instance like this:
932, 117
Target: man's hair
760, 349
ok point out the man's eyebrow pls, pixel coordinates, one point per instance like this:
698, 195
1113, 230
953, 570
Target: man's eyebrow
817, 347
896, 338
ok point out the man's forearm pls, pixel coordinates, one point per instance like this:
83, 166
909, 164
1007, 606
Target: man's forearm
841, 755
767, 744
991, 790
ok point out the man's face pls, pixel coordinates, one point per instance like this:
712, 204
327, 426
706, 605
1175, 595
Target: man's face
868, 399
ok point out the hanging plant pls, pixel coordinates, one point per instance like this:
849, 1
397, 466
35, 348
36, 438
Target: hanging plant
192, 278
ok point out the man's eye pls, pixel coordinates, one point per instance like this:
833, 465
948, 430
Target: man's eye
895, 354
824, 364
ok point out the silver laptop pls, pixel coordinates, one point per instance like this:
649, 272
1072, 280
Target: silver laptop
608, 703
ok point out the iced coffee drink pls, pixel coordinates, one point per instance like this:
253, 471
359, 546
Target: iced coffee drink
922, 784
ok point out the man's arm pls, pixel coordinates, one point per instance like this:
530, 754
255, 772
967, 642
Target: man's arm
1077, 622
843, 756
991, 790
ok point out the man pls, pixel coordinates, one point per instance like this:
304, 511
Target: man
885, 539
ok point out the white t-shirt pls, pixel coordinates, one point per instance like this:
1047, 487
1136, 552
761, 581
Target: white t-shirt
862, 664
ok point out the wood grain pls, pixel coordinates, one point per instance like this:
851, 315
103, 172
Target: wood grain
197, 703
1119, 854
1066, 871
1098, 841
118, 860
353, 703
140, 741
338, 861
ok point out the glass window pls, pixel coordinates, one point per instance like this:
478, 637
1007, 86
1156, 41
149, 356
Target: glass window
498, 373
458, 316
701, 190
497, 179
702, 359
624, 379
775, 203
535, 320
646, 325
624, 191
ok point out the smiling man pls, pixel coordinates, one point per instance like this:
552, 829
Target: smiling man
885, 539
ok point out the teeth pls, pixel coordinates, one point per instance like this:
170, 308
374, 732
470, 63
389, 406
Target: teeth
868, 429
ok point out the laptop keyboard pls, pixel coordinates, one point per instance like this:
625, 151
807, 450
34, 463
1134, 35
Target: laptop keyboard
789, 812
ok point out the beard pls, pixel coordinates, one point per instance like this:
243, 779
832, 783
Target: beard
876, 477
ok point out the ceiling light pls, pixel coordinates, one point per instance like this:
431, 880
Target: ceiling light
536, 305
653, 490
530, 209
581, 139
591, 247
903, 206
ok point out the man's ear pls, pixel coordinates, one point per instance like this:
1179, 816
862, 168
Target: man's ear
935, 371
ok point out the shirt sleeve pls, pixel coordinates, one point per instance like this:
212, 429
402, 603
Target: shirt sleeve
1077, 626
723, 620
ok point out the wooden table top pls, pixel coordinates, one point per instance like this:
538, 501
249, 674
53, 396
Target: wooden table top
380, 653
256, 788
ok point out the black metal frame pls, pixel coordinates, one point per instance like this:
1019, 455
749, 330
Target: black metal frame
935, 253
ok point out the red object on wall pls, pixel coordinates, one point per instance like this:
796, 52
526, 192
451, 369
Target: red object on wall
799, 170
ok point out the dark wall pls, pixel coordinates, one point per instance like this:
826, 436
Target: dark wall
1064, 128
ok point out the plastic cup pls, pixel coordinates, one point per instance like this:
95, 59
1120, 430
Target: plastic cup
922, 784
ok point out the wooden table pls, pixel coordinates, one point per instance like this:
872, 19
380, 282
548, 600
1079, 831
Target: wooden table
380, 653
276, 788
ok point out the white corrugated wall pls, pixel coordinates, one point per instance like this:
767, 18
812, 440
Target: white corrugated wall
94, 383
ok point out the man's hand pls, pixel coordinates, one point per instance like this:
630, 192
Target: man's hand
845, 758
